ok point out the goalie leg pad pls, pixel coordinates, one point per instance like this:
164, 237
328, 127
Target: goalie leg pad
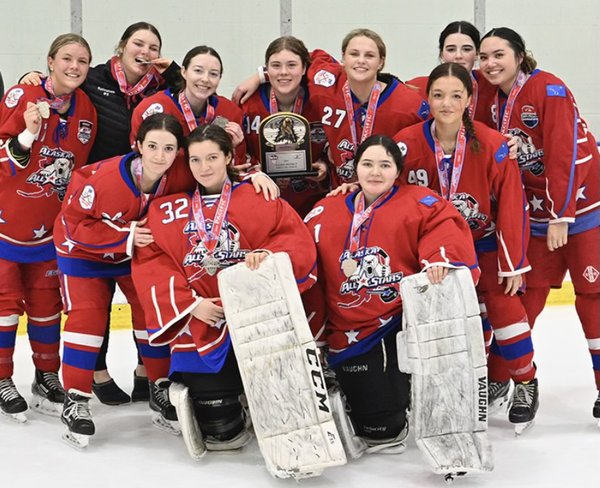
446, 356
192, 436
279, 364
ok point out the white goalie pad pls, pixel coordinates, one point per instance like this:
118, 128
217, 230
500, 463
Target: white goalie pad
280, 368
442, 346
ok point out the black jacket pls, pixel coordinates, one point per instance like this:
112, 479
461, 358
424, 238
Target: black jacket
114, 116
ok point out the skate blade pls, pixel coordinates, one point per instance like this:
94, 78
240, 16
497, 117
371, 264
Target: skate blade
168, 426
46, 407
523, 427
76, 441
19, 418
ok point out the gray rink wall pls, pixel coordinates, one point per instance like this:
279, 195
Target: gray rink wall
563, 36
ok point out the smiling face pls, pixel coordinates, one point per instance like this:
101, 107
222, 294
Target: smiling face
143, 46
376, 171
362, 60
459, 48
202, 76
499, 63
208, 164
285, 70
69, 67
158, 150
448, 99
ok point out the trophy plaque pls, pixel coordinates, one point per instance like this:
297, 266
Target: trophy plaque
285, 150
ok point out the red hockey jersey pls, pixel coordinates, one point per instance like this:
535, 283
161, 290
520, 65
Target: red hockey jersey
30, 197
557, 154
300, 193
489, 194
398, 107
411, 228
93, 233
170, 278
167, 102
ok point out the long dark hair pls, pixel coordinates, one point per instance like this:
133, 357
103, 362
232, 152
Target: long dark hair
517, 44
457, 71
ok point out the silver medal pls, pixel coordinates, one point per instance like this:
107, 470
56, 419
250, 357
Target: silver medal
349, 267
220, 121
43, 109
211, 265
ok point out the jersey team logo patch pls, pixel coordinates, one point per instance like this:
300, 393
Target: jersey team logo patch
86, 199
13, 96
591, 274
155, 108
324, 78
403, 148
56, 167
529, 117
84, 133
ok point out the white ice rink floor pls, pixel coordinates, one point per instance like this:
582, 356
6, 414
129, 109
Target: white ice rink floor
562, 449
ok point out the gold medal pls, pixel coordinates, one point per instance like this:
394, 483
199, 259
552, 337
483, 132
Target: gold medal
349, 266
43, 109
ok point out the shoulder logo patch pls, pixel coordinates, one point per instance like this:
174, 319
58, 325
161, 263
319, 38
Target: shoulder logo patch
86, 199
324, 78
556, 90
501, 153
13, 96
429, 200
155, 108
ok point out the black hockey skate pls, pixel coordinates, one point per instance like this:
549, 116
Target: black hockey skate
48, 393
12, 403
498, 396
524, 405
166, 418
77, 417
596, 411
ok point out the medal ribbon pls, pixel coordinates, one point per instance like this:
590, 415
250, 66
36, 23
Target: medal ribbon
370, 117
188, 113
473, 104
58, 103
131, 91
449, 185
137, 169
211, 239
512, 96
297, 107
361, 215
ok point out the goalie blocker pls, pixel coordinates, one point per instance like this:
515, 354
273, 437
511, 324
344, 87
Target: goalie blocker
441, 345
280, 369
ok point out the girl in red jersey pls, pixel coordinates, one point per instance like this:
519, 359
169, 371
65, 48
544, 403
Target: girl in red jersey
116, 87
367, 242
98, 230
560, 166
196, 234
286, 61
468, 164
355, 99
47, 133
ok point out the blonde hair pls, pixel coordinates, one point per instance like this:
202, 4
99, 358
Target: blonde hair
66, 39
369, 34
